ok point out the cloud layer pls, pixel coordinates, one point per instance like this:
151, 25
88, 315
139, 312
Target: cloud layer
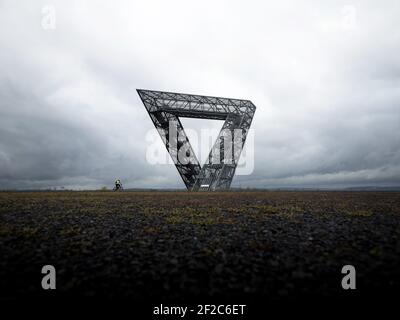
325, 78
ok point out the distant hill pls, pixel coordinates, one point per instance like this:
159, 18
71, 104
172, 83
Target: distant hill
373, 188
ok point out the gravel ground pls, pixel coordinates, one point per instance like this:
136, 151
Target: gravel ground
176, 245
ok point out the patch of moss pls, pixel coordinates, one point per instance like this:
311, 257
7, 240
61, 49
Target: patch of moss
359, 212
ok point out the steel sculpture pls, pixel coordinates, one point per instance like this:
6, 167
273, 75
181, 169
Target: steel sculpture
165, 109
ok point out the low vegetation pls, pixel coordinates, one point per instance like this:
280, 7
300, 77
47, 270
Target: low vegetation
174, 244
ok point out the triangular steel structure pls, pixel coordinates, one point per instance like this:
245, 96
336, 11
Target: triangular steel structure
165, 108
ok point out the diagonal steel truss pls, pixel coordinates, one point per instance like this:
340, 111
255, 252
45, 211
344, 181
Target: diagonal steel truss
217, 173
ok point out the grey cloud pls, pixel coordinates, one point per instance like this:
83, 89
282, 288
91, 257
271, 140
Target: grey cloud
328, 97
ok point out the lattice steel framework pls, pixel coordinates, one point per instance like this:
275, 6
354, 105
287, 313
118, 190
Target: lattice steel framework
165, 108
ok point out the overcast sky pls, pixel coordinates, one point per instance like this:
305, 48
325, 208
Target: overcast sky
324, 75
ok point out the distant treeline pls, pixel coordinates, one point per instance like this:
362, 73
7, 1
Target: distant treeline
234, 189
